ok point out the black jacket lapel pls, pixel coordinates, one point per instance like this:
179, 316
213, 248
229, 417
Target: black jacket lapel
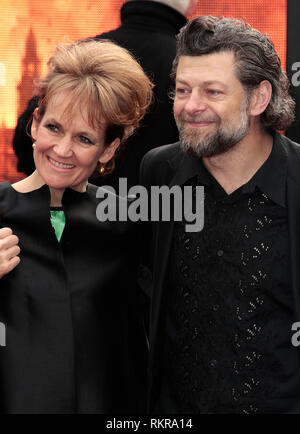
183, 167
293, 201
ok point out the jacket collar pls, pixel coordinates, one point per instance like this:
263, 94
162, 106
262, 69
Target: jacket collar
270, 178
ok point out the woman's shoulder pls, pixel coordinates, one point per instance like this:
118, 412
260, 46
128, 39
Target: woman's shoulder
112, 210
5, 189
95, 192
7, 198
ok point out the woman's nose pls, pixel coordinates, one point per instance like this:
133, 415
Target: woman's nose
63, 147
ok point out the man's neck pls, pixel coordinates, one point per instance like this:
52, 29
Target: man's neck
237, 166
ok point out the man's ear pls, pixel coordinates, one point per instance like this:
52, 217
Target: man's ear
35, 124
110, 151
260, 98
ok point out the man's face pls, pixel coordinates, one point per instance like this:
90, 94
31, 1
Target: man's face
210, 106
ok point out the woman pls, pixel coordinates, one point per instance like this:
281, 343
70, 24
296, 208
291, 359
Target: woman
74, 333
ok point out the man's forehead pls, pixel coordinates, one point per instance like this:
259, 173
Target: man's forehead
224, 58
214, 67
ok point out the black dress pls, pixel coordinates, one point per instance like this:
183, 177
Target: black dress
74, 332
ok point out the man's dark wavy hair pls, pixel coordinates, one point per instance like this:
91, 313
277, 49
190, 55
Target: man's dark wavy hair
255, 60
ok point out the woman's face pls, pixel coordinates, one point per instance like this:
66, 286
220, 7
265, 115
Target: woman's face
67, 148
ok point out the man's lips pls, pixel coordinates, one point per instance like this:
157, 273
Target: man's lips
199, 123
198, 120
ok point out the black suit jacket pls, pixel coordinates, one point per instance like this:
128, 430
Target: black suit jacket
74, 329
168, 165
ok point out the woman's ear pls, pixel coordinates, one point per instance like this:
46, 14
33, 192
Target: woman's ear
110, 151
35, 124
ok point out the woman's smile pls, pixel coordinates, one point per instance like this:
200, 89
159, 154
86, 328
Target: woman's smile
60, 165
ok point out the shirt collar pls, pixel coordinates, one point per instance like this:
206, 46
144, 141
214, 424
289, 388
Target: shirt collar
270, 177
188, 168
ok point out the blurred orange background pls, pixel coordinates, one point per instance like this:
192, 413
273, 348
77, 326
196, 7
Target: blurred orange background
30, 29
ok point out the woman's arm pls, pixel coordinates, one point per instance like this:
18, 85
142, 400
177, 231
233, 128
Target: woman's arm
9, 251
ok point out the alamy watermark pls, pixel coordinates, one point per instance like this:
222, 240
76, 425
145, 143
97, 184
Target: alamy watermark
296, 76
2, 335
159, 203
296, 336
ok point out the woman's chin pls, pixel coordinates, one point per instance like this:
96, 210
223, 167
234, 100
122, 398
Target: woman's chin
58, 185
62, 186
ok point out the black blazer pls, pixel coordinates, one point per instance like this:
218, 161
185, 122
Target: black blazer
168, 165
75, 340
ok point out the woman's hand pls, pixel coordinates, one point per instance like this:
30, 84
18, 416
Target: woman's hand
9, 251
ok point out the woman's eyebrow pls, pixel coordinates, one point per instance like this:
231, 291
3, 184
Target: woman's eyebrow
53, 121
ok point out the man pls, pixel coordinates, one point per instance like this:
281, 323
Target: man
148, 29
225, 299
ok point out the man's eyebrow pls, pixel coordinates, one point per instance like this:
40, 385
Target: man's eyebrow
206, 83
179, 80
212, 82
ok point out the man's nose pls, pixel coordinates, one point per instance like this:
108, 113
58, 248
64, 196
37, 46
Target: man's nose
195, 103
63, 147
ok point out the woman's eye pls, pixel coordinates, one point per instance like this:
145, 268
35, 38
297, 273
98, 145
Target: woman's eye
85, 140
52, 128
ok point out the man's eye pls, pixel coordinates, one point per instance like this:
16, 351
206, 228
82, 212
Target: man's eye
213, 92
181, 90
85, 140
52, 128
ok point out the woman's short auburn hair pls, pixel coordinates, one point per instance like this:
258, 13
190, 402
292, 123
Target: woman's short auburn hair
102, 77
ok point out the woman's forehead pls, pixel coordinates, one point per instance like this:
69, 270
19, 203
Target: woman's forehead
66, 102
68, 107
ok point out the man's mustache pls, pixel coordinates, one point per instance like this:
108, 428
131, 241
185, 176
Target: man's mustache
198, 118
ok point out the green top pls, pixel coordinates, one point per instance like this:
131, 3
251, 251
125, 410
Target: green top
58, 221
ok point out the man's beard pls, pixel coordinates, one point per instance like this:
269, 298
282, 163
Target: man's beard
224, 138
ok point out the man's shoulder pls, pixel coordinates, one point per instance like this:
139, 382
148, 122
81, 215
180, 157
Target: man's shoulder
163, 153
161, 162
292, 150
289, 145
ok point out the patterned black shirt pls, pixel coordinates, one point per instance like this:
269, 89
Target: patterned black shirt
230, 308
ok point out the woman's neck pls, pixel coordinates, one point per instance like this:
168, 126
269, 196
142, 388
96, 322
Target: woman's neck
35, 181
56, 196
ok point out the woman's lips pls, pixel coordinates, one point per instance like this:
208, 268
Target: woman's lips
59, 165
